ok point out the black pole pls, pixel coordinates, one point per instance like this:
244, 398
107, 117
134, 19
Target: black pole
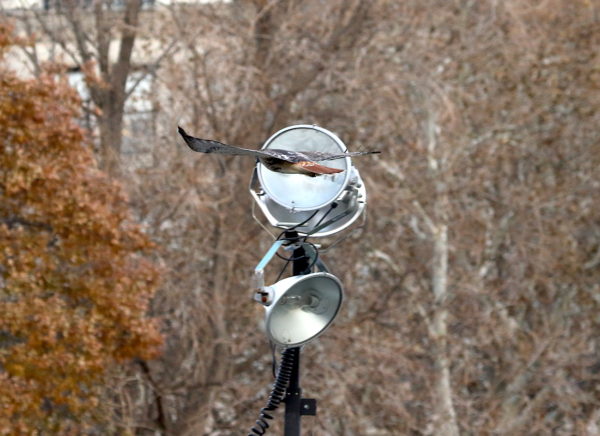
295, 405
293, 396
301, 262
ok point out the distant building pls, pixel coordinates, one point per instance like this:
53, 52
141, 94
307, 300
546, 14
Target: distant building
139, 121
12, 5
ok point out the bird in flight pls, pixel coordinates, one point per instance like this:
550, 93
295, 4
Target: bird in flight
281, 161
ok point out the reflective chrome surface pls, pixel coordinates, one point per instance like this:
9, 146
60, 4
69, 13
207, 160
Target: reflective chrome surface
302, 308
297, 192
287, 200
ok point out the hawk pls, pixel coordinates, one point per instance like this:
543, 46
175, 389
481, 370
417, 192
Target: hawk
281, 161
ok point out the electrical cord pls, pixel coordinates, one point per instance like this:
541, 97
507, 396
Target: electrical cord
273, 359
303, 239
287, 262
277, 395
288, 355
284, 372
333, 206
292, 258
295, 226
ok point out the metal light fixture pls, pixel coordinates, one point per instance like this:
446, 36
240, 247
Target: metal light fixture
288, 200
300, 308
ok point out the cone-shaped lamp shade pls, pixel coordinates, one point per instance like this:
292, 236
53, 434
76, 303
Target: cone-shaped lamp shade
302, 308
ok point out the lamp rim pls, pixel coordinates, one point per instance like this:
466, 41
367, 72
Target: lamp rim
342, 148
296, 280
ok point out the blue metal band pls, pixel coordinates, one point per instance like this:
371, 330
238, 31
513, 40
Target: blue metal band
267, 258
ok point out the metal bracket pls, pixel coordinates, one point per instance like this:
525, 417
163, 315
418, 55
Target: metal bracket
308, 407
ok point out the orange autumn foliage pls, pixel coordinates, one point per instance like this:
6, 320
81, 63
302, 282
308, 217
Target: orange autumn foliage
74, 277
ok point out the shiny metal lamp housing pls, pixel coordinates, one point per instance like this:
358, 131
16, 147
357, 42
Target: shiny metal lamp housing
289, 199
300, 308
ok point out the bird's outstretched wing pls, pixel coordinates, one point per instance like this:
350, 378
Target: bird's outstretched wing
318, 155
210, 146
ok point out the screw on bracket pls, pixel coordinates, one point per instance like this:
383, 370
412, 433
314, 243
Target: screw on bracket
308, 407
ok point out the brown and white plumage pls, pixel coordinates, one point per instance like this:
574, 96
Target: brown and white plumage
282, 161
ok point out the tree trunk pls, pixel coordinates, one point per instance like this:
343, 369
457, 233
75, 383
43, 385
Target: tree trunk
111, 131
111, 99
445, 416
195, 415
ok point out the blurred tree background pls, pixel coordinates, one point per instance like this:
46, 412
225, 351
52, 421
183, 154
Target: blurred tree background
473, 293
74, 285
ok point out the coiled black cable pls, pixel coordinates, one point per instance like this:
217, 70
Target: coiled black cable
278, 393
